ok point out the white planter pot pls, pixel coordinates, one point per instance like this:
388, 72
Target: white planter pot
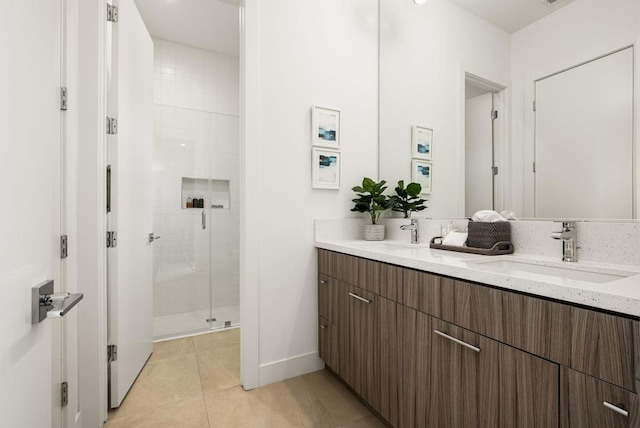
374, 232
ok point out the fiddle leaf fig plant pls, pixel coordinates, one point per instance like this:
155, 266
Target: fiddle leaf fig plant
371, 199
407, 199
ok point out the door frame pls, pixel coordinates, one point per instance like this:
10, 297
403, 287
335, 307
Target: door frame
93, 35
67, 329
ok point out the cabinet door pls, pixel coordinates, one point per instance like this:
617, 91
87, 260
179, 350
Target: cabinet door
328, 343
462, 368
388, 360
456, 378
589, 402
362, 343
528, 391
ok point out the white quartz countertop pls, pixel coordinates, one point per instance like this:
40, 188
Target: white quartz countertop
620, 295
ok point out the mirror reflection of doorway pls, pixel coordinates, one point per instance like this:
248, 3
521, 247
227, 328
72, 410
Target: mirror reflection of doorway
482, 99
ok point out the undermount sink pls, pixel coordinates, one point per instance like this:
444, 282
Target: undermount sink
533, 269
388, 247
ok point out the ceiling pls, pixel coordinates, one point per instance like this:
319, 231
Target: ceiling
510, 15
206, 24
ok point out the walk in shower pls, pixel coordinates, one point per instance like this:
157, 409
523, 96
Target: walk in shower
196, 173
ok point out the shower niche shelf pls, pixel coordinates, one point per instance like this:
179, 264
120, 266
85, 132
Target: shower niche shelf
214, 192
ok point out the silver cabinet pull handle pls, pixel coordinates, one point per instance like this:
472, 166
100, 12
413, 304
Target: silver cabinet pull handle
459, 342
359, 298
322, 281
204, 219
616, 409
323, 326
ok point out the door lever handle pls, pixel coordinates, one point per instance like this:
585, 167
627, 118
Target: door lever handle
153, 238
46, 304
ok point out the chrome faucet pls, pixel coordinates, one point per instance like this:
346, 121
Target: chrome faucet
569, 237
413, 227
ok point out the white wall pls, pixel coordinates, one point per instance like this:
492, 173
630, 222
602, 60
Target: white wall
576, 33
423, 54
311, 52
196, 108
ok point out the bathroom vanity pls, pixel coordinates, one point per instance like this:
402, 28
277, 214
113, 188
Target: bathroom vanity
428, 340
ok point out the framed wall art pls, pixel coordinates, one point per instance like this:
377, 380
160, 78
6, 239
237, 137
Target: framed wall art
325, 127
422, 172
326, 166
421, 143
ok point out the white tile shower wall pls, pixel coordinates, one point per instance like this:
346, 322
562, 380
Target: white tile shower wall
603, 242
195, 135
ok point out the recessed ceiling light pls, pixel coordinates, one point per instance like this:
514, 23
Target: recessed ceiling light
419, 1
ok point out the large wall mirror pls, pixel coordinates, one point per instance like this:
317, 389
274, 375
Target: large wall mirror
532, 104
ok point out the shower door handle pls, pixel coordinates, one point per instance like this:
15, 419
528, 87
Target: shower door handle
204, 219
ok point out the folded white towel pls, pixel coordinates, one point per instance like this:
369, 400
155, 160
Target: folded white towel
508, 215
487, 216
456, 239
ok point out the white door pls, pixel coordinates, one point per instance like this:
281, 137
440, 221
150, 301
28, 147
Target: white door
584, 134
478, 154
130, 263
30, 153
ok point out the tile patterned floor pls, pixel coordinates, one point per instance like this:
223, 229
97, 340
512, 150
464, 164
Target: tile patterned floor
194, 382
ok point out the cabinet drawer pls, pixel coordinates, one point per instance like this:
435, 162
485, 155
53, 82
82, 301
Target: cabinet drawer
375, 277
327, 298
589, 402
326, 262
535, 325
467, 305
328, 343
603, 346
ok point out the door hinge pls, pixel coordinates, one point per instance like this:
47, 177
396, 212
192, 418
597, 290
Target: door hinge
112, 13
534, 105
64, 98
64, 251
534, 167
494, 114
494, 170
112, 353
112, 239
64, 394
112, 125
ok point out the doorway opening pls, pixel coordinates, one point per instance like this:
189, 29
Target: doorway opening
187, 219
483, 144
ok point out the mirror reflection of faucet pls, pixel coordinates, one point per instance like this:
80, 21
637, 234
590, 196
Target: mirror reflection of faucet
413, 227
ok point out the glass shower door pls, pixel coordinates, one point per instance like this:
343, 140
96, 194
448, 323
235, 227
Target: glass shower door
182, 201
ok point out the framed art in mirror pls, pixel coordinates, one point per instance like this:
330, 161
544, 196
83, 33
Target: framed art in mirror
325, 127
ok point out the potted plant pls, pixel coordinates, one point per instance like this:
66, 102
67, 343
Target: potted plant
407, 199
372, 200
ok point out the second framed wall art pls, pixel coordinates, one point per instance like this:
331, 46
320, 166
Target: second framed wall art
421, 173
326, 168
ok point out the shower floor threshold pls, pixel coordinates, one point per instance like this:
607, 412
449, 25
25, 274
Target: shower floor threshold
193, 323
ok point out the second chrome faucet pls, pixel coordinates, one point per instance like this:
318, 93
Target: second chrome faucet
569, 237
413, 227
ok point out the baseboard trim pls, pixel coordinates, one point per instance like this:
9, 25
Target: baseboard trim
290, 367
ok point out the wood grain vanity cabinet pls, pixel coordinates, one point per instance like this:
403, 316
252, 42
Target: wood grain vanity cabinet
425, 350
